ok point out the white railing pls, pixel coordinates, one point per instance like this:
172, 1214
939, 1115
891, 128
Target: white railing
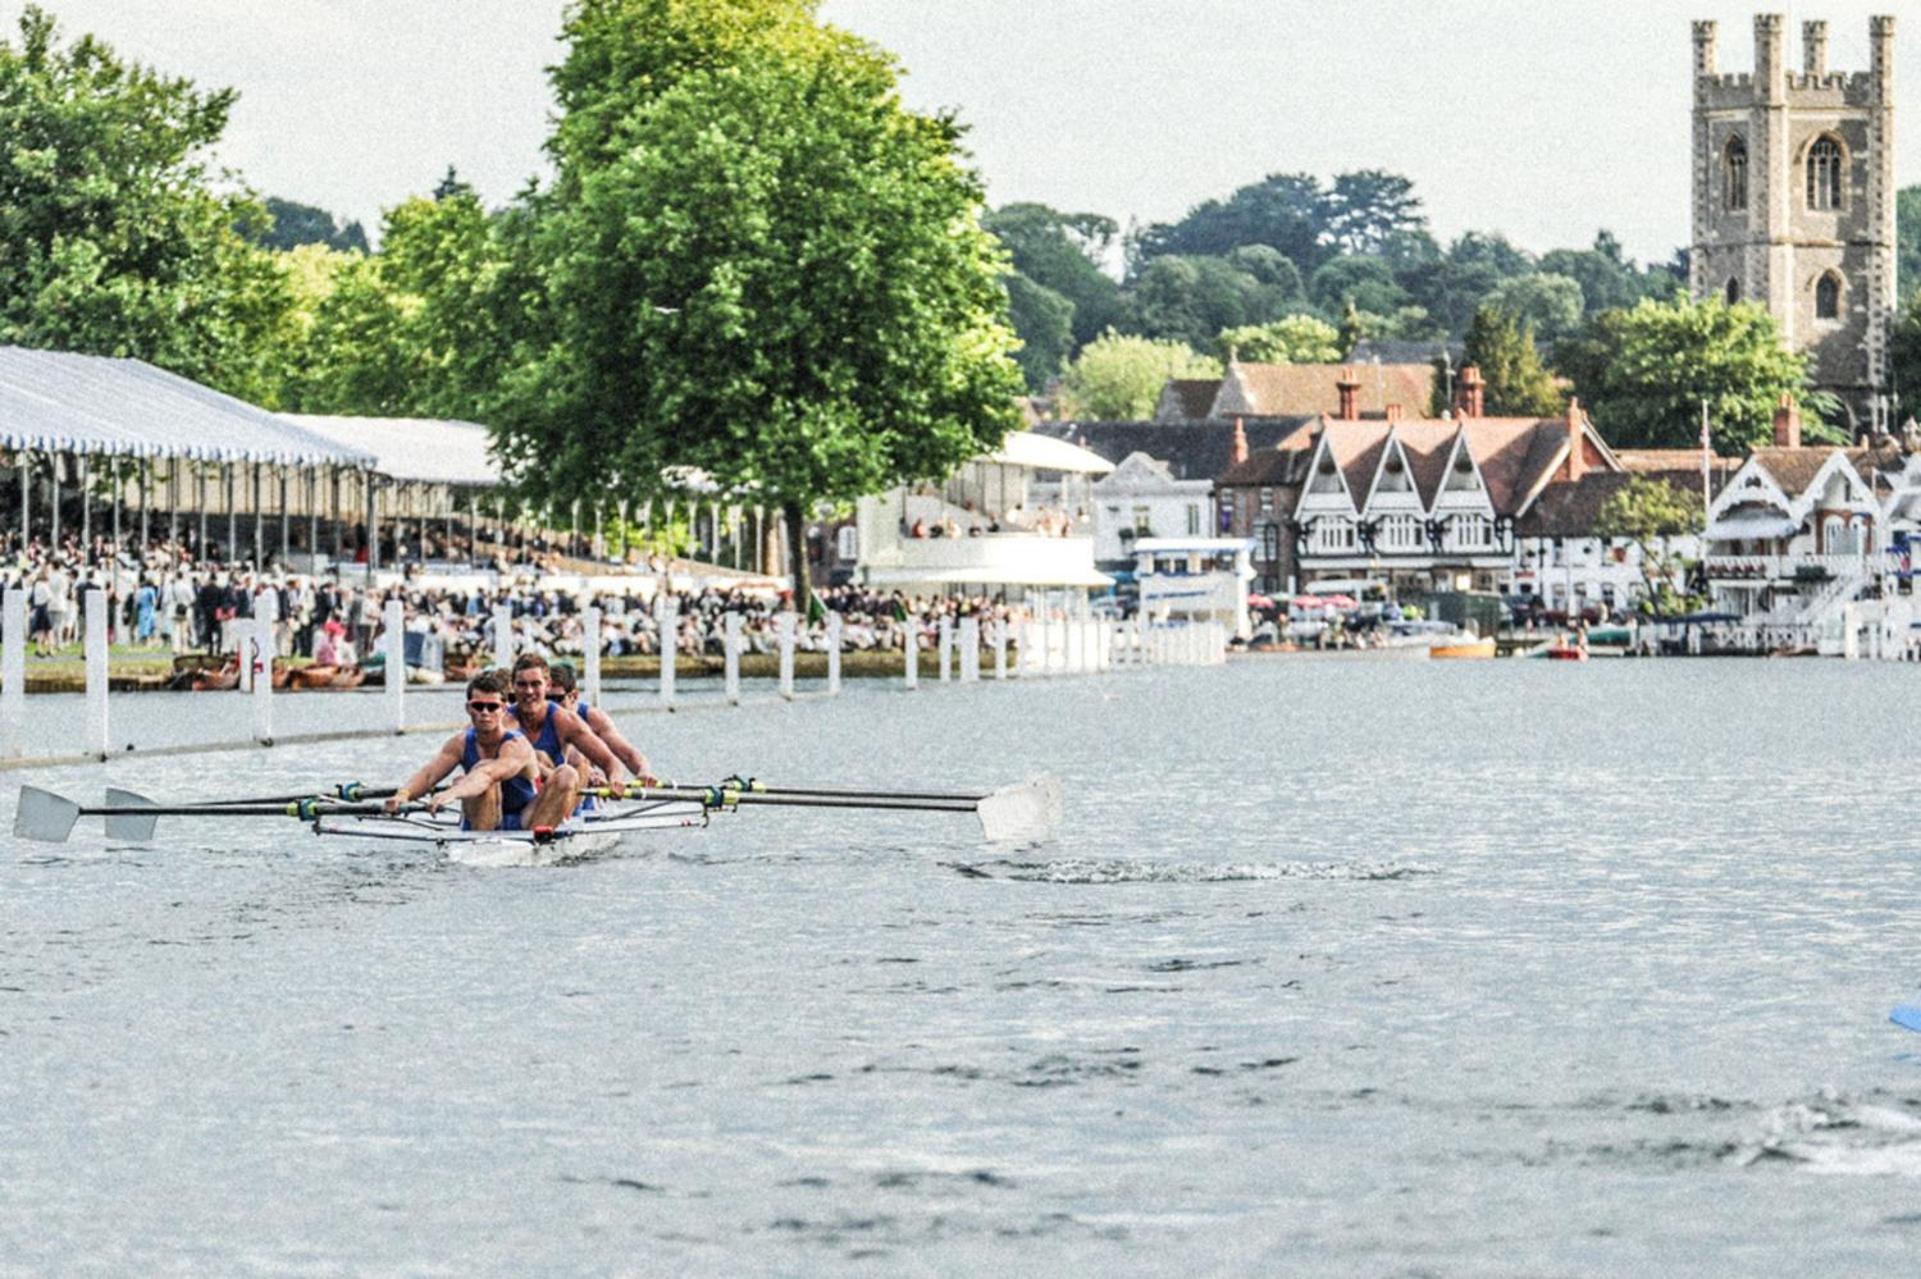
1772, 568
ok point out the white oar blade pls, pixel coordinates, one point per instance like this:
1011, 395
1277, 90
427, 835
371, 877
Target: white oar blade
44, 816
129, 828
1024, 813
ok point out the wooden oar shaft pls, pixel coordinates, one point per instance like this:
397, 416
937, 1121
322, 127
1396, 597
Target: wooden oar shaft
225, 810
749, 784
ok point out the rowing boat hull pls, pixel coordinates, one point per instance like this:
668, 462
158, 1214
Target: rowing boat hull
524, 852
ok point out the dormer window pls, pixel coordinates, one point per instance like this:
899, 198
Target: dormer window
1735, 174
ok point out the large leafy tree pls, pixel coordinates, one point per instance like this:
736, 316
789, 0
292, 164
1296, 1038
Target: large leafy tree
758, 263
1043, 320
1517, 385
1370, 209
1907, 240
1549, 304
1064, 252
1189, 300
1645, 373
113, 237
1292, 339
1286, 211
291, 224
1649, 513
1118, 377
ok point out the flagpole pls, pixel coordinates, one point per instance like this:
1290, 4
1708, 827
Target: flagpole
1707, 451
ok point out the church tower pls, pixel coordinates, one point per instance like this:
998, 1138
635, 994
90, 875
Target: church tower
1794, 200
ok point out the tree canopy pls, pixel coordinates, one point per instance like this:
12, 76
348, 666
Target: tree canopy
1504, 351
778, 276
1118, 377
290, 225
1645, 372
116, 242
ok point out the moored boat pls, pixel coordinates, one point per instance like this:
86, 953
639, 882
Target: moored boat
1462, 649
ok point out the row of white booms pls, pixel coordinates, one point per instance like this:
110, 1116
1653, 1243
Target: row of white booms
1049, 644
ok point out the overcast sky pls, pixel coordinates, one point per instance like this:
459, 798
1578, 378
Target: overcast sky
1543, 119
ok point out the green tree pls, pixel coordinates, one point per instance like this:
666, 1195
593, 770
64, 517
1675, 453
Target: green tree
1548, 304
756, 262
1118, 378
115, 239
1292, 339
1904, 352
292, 225
1367, 282
1064, 252
1517, 385
1907, 240
1370, 209
1645, 372
1286, 211
1043, 321
1648, 513
1189, 300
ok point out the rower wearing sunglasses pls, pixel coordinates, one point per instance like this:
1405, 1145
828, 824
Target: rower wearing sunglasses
563, 689
501, 787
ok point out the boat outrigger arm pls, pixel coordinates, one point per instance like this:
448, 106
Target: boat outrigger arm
1025, 812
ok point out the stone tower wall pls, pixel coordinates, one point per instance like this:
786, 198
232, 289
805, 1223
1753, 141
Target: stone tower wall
1777, 248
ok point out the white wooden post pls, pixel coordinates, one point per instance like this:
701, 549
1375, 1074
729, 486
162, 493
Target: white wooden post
590, 653
910, 652
1046, 654
833, 652
97, 674
970, 650
731, 647
504, 636
784, 633
1000, 648
393, 619
946, 647
260, 660
13, 675
669, 646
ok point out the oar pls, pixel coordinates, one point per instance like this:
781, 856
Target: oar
349, 791
48, 817
759, 787
1022, 813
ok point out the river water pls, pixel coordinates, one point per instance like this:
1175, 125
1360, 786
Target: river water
1334, 968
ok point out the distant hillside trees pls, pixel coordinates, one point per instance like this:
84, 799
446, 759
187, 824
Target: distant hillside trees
291, 225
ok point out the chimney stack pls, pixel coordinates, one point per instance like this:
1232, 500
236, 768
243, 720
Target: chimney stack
1470, 397
1393, 412
1350, 388
1240, 443
1787, 423
1576, 440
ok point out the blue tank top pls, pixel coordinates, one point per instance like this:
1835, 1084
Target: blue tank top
516, 792
548, 742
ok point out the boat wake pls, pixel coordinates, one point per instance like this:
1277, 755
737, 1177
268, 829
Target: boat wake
1129, 870
1833, 1135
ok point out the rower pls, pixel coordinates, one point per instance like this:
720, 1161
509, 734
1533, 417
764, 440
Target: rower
503, 787
564, 690
552, 729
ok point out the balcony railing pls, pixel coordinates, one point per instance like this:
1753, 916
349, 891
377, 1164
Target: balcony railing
1787, 568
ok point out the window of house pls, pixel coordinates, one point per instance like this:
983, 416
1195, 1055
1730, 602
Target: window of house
1827, 297
1824, 174
1270, 542
1143, 521
1267, 501
1193, 519
1401, 533
1736, 166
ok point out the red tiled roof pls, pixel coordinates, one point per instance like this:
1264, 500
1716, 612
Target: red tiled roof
1313, 388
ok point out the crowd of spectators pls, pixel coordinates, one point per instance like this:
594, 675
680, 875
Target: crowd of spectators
163, 597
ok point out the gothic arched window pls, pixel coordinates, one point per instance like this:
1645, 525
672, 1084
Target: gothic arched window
1827, 297
1736, 164
1824, 174
1733, 290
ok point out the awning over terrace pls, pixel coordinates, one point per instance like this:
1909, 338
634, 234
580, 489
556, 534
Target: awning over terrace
412, 450
1743, 526
59, 402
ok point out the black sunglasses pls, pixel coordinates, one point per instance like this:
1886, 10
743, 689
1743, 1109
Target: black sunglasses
486, 706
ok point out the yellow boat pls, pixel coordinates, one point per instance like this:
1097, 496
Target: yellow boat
1462, 649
